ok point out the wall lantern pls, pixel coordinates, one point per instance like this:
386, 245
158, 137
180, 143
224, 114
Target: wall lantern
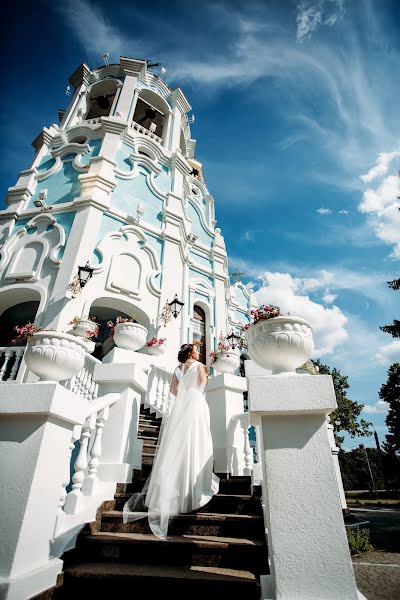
176, 306
233, 339
84, 274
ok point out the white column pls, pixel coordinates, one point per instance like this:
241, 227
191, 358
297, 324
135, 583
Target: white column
225, 398
36, 427
121, 449
308, 550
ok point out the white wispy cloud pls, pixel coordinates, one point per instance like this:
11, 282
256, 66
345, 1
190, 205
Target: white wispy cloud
324, 211
389, 353
381, 203
381, 167
248, 236
329, 324
380, 407
343, 212
94, 32
328, 297
311, 15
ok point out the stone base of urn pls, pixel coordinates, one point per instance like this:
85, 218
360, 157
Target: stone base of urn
156, 350
84, 328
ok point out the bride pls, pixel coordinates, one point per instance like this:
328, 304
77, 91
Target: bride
182, 478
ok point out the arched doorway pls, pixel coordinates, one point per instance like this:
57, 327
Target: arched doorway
19, 314
199, 332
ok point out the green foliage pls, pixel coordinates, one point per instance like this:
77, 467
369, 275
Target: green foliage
355, 471
394, 328
346, 416
359, 541
390, 393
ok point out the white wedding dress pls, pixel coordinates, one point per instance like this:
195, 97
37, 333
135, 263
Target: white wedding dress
182, 478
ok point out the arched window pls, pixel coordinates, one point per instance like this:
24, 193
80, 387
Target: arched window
101, 99
151, 112
199, 332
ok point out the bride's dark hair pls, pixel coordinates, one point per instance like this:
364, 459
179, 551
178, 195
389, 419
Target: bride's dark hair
184, 352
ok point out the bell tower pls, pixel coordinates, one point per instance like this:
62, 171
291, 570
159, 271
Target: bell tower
116, 185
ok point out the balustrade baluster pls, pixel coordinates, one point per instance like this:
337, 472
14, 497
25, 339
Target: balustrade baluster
157, 403
165, 391
95, 454
76, 433
19, 352
7, 356
80, 467
248, 453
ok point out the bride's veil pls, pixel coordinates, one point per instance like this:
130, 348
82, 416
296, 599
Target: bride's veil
159, 499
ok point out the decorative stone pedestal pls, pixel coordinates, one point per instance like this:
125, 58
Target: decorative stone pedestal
308, 550
36, 424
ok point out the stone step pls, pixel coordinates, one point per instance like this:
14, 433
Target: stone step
148, 432
141, 548
150, 421
109, 579
232, 486
220, 503
149, 449
148, 440
197, 524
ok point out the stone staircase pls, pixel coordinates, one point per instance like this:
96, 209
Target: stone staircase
219, 549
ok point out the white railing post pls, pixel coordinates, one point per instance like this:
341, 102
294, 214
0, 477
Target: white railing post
7, 356
224, 395
35, 439
302, 505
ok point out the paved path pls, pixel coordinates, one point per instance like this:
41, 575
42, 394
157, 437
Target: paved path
378, 573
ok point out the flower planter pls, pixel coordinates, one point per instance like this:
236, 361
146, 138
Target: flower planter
130, 336
55, 356
156, 349
227, 362
281, 344
84, 328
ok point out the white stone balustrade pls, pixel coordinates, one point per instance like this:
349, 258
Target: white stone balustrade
158, 398
10, 362
83, 383
307, 545
145, 131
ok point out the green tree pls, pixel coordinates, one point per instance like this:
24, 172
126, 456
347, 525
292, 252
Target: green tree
347, 415
394, 328
390, 393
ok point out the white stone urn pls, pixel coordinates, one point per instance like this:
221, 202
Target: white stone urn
281, 344
156, 349
226, 362
85, 328
130, 336
55, 356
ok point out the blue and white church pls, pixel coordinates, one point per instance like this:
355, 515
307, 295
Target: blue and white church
109, 244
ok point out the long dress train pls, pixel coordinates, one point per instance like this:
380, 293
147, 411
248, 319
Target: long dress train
182, 478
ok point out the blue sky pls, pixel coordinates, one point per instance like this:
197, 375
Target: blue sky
296, 121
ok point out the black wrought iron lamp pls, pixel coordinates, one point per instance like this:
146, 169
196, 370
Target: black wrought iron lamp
176, 306
233, 339
84, 274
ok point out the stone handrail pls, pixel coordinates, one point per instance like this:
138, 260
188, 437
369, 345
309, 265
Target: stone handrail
158, 397
10, 362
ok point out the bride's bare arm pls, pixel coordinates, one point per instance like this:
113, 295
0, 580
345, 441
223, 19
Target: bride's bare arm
174, 385
203, 375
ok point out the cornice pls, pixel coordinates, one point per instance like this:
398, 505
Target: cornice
180, 163
80, 76
178, 100
131, 66
113, 125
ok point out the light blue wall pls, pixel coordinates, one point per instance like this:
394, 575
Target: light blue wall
129, 192
194, 274
241, 298
241, 317
94, 146
62, 187
197, 227
201, 260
